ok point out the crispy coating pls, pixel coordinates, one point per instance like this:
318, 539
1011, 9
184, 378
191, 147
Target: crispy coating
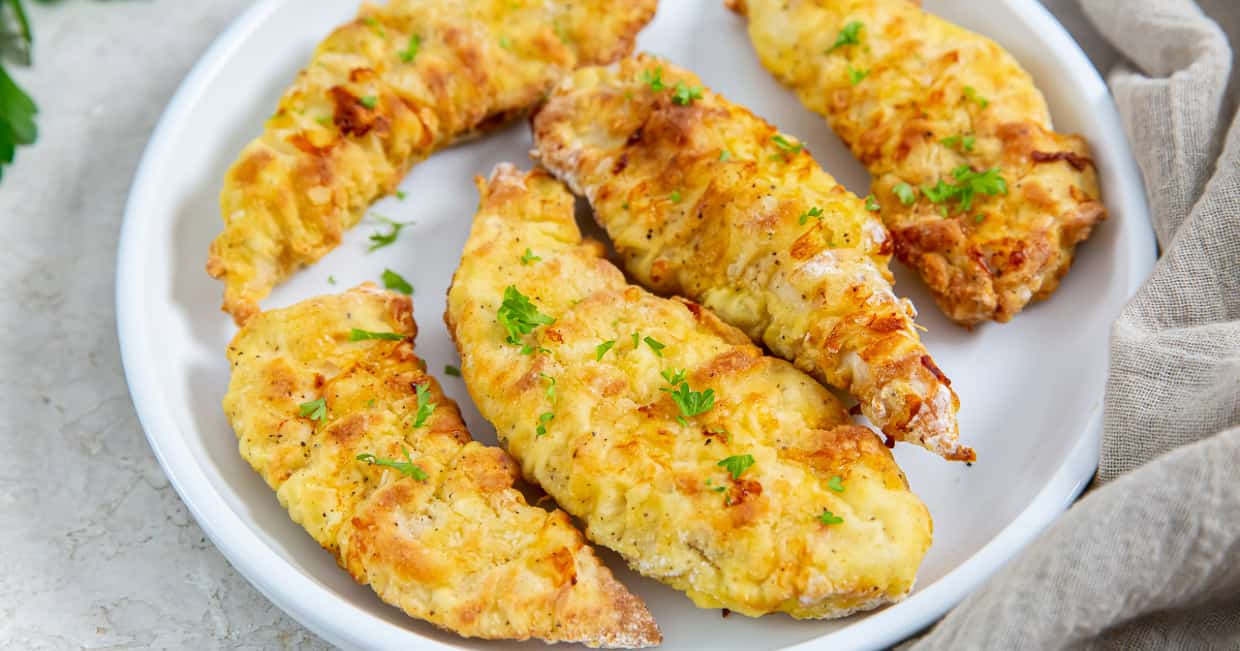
618, 452
382, 93
706, 200
920, 100
459, 548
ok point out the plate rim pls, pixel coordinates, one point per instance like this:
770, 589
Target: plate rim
307, 601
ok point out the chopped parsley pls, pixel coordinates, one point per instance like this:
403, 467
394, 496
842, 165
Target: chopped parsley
964, 142
410, 52
519, 316
673, 376
871, 203
971, 94
784, 144
827, 517
374, 24
380, 240
324, 120
814, 212
449, 369
674, 197
400, 195
737, 465
690, 402
979, 218
684, 94
543, 419
550, 393
357, 334
968, 184
369, 101
637, 339
331, 280
505, 43
406, 467
905, 193
425, 406
602, 349
850, 35
655, 345
393, 280
529, 257
725, 155
715, 488
314, 410
654, 78
836, 483
856, 76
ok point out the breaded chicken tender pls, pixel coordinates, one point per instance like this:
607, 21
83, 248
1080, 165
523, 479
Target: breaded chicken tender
984, 199
725, 473
706, 200
380, 94
336, 413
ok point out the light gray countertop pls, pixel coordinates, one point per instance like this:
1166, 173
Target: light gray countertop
96, 549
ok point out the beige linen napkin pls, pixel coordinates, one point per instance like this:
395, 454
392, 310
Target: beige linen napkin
1151, 558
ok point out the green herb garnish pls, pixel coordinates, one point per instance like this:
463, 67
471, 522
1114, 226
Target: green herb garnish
314, 410
543, 419
380, 240
856, 76
827, 517
871, 203
784, 144
655, 345
971, 94
814, 212
836, 483
684, 95
393, 280
602, 349
410, 52
691, 402
357, 334
653, 79
369, 101
905, 193
519, 316
449, 369
850, 35
425, 406
529, 257
406, 467
737, 465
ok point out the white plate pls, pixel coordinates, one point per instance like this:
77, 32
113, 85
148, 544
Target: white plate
1030, 390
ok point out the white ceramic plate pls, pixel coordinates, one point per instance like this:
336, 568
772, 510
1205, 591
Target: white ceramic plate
1030, 390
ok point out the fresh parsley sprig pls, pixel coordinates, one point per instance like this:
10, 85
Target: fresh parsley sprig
519, 316
690, 402
425, 406
737, 465
849, 35
406, 467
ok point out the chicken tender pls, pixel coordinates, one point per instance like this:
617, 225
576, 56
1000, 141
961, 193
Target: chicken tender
725, 473
706, 200
983, 198
336, 413
380, 94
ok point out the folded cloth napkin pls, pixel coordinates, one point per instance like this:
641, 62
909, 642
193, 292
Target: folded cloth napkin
1150, 559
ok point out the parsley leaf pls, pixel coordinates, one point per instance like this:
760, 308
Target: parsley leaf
856, 76
905, 193
519, 316
314, 410
674, 197
673, 376
969, 184
425, 406
637, 339
529, 257
410, 52
971, 94
369, 101
691, 402
979, 218
406, 467
964, 142
684, 95
17, 111
784, 144
505, 43
655, 345
393, 280
725, 155
550, 393
827, 517
543, 419
602, 349
836, 483
815, 212
331, 280
449, 369
871, 203
381, 240
850, 35
357, 334
653, 79
737, 465
374, 24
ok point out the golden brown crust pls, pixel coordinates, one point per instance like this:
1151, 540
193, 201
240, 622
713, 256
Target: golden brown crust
917, 98
459, 548
369, 106
618, 452
702, 200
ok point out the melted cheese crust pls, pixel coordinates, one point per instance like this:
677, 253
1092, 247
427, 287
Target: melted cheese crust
460, 549
616, 454
372, 103
702, 200
926, 81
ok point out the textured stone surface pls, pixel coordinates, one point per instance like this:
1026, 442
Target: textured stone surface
96, 549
